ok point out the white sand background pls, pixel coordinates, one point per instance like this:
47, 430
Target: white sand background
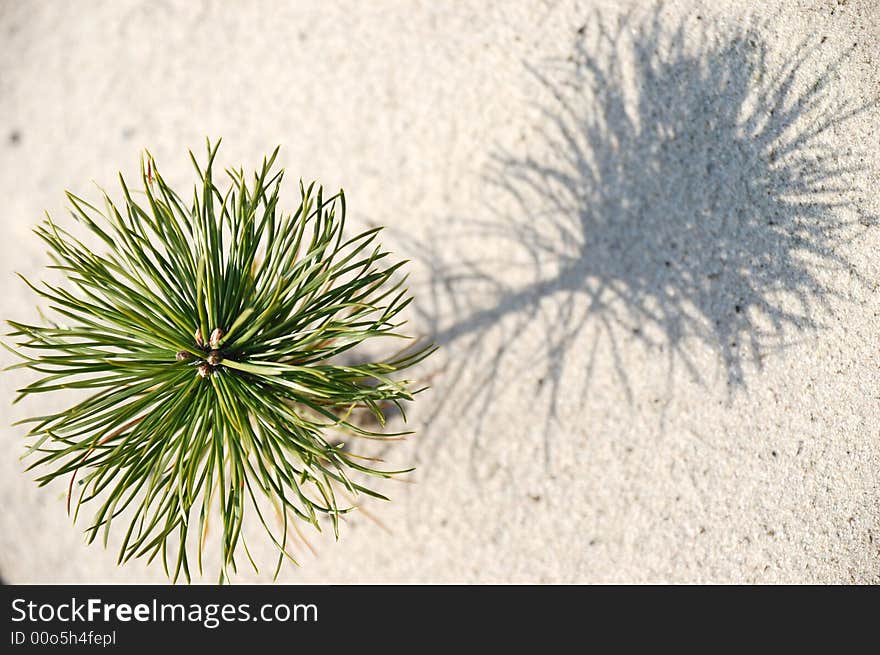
650, 257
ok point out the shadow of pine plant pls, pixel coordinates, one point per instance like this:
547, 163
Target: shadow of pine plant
683, 185
208, 336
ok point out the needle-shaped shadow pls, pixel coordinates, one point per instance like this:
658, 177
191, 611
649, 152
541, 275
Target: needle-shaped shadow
677, 189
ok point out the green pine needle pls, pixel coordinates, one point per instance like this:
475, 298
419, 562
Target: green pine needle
209, 338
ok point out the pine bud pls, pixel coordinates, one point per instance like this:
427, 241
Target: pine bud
204, 370
216, 335
214, 358
199, 340
182, 356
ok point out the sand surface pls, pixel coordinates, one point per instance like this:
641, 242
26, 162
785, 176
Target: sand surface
645, 236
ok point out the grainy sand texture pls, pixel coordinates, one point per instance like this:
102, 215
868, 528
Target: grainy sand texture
645, 235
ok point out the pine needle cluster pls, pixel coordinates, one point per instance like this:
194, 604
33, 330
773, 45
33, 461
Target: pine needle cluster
219, 346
